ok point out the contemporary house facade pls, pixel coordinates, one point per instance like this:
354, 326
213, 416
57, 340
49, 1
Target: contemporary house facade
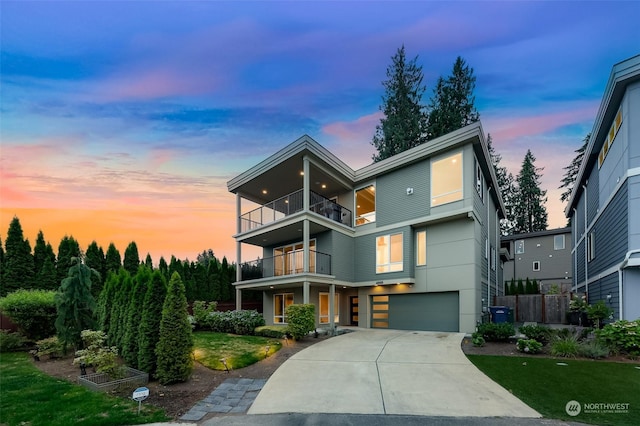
544, 256
605, 201
409, 242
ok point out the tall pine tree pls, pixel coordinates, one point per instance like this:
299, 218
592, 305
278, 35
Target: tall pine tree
67, 250
530, 211
18, 261
507, 188
571, 171
452, 104
404, 123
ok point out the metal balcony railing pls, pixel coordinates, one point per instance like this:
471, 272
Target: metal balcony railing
293, 203
286, 264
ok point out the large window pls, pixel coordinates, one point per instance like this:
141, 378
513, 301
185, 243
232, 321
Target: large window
324, 308
289, 259
558, 242
479, 178
280, 303
421, 248
446, 180
520, 247
365, 205
389, 253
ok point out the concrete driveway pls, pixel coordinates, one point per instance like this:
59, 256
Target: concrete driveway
386, 372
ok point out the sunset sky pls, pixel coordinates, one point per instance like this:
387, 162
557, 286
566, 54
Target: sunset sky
123, 121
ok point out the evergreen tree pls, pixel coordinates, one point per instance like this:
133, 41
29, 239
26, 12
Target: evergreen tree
39, 254
530, 212
2, 267
119, 309
105, 303
131, 258
527, 287
512, 287
148, 262
164, 268
48, 278
572, 170
225, 282
404, 123
506, 288
452, 104
520, 289
214, 280
507, 188
175, 345
67, 250
535, 289
149, 331
113, 259
94, 258
18, 261
141, 282
75, 304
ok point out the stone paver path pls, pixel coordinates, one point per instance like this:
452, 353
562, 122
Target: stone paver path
231, 396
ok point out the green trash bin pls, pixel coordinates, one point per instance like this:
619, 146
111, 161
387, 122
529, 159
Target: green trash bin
510, 316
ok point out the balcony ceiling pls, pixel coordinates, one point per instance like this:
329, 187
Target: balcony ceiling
282, 234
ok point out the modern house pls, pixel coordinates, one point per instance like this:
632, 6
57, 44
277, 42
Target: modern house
544, 256
605, 201
409, 242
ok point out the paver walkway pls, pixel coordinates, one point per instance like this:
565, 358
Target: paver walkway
231, 396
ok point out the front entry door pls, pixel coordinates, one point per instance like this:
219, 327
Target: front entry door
353, 310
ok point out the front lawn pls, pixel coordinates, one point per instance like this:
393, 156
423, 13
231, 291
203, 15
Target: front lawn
33, 398
548, 387
238, 351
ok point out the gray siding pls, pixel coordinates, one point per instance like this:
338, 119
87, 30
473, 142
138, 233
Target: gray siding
365, 256
342, 257
593, 195
600, 289
393, 205
634, 206
581, 263
611, 232
579, 217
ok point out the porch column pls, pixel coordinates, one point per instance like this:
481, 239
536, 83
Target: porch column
305, 292
332, 299
238, 299
238, 244
305, 246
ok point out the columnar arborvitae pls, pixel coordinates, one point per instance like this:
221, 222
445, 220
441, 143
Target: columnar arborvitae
67, 250
214, 278
148, 262
119, 309
164, 268
175, 361
106, 302
149, 331
225, 282
47, 279
113, 259
18, 261
131, 258
94, 258
141, 282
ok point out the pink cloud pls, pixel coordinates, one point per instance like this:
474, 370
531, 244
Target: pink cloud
352, 139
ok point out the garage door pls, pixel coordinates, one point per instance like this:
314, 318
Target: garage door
427, 311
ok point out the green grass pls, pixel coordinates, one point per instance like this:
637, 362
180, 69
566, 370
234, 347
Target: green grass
547, 387
30, 397
239, 351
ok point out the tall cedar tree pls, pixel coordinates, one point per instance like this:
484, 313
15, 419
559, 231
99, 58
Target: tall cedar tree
452, 104
75, 304
131, 258
67, 250
149, 331
18, 267
141, 282
106, 302
113, 259
40, 253
148, 262
47, 279
2, 266
507, 188
214, 278
404, 123
571, 173
226, 292
94, 258
175, 345
164, 268
530, 212
118, 309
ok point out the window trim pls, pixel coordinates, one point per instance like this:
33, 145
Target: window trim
434, 197
555, 246
421, 245
391, 266
479, 180
283, 317
534, 265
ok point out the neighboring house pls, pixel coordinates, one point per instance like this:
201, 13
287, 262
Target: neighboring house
544, 256
604, 207
409, 242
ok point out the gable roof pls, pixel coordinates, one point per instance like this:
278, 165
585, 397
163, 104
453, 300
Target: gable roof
622, 75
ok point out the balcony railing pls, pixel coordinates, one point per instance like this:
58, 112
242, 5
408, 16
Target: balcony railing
293, 203
286, 264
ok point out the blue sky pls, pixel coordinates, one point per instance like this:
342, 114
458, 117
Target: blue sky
123, 120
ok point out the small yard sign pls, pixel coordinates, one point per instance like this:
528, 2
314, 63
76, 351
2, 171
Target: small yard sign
140, 395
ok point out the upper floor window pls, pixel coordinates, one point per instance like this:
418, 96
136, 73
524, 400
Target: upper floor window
478, 181
520, 247
389, 253
421, 248
366, 205
613, 131
446, 180
591, 246
558, 242
493, 258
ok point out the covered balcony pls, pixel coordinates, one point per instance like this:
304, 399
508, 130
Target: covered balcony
289, 263
294, 203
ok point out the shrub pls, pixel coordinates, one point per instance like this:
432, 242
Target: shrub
593, 349
201, 313
529, 346
567, 347
493, 332
301, 320
477, 339
149, 332
33, 311
539, 333
11, 341
104, 359
621, 336
245, 322
274, 331
51, 346
598, 313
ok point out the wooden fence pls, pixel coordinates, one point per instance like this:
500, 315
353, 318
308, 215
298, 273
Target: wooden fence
540, 308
